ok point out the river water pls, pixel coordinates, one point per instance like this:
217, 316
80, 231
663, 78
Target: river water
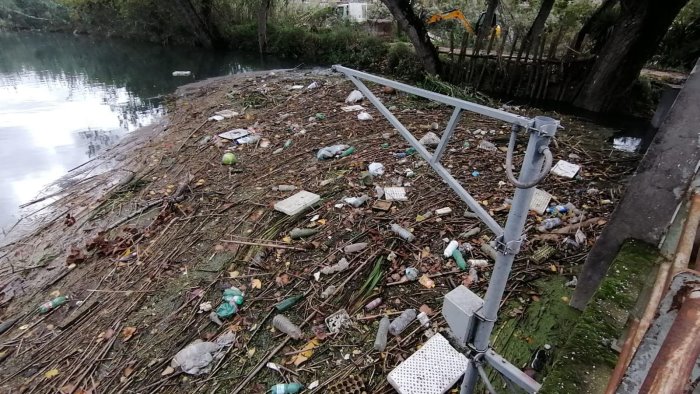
65, 98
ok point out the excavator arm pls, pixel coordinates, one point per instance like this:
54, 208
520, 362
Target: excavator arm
454, 14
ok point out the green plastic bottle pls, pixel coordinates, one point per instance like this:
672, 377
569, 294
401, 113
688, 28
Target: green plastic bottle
457, 255
55, 303
291, 388
288, 303
348, 152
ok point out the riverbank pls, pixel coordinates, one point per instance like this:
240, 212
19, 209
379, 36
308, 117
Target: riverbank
142, 248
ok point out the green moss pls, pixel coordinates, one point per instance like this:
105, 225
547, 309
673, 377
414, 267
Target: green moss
546, 321
585, 362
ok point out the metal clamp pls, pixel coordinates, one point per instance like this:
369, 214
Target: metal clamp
511, 247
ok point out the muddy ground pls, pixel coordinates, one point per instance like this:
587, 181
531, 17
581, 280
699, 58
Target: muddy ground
139, 239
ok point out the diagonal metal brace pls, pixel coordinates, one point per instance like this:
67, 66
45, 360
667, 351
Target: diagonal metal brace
434, 158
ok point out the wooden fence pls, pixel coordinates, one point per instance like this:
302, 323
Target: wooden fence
507, 66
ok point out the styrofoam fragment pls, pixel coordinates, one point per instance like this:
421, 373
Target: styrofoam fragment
297, 203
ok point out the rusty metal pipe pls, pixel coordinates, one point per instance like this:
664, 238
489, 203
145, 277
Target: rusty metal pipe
687, 237
670, 372
666, 271
638, 328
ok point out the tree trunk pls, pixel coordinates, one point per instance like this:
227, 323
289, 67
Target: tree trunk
537, 26
263, 12
590, 22
636, 35
485, 27
415, 29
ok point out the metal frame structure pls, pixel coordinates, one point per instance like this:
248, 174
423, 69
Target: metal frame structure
508, 239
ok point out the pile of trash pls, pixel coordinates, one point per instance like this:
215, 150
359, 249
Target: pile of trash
277, 234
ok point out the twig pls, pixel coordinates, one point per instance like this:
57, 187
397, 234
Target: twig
267, 245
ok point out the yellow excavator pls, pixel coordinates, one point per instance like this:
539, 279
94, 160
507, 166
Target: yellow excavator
458, 15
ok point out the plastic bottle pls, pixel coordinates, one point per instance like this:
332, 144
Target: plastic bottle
489, 251
459, 259
329, 152
354, 248
451, 247
550, 223
340, 266
402, 232
356, 201
348, 152
298, 233
328, 292
470, 233
487, 146
55, 303
380, 340
288, 302
400, 323
284, 188
283, 324
423, 319
557, 209
286, 388
373, 304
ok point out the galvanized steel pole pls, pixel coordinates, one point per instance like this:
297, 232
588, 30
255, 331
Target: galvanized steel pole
540, 134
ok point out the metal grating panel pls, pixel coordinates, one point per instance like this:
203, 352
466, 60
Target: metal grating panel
433, 369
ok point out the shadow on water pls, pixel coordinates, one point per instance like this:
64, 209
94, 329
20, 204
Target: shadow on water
631, 134
66, 98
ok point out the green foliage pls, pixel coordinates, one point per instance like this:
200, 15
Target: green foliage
403, 62
680, 48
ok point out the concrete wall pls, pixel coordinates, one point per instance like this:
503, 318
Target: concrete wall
655, 190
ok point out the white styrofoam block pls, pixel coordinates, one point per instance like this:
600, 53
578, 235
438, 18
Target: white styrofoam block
395, 194
540, 201
565, 169
433, 369
297, 203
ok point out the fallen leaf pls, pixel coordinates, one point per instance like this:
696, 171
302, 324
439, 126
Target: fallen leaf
426, 309
233, 274
535, 298
425, 252
256, 284
55, 294
565, 299
251, 352
306, 352
426, 282
282, 280
287, 239
128, 332
320, 331
321, 221
313, 385
108, 334
219, 247
553, 268
167, 371
128, 371
51, 373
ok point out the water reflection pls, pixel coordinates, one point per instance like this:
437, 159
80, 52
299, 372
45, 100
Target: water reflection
64, 99
627, 144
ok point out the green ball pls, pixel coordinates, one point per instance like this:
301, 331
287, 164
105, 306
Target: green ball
228, 159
